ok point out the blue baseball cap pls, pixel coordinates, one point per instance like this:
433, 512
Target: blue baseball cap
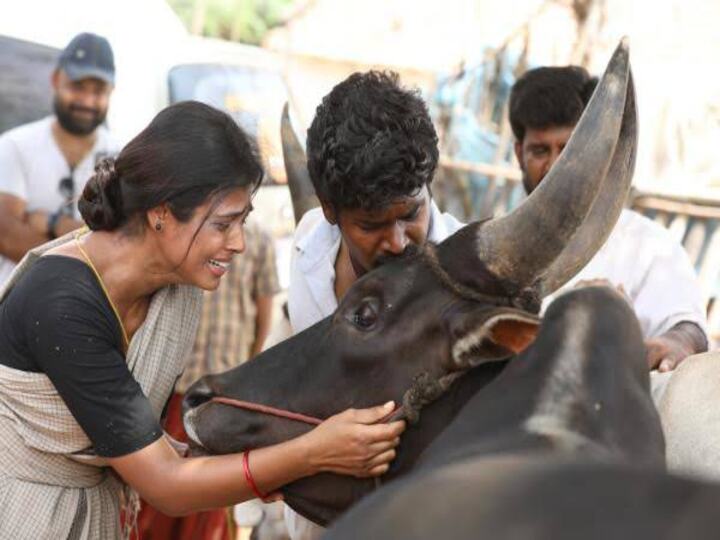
88, 56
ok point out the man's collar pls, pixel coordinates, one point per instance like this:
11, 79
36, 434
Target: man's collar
438, 230
318, 239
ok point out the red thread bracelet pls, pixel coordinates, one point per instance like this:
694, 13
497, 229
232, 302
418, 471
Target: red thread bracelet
249, 478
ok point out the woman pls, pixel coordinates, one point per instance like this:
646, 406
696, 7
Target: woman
94, 329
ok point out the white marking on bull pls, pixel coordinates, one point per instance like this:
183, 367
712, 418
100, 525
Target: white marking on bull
552, 417
465, 346
189, 424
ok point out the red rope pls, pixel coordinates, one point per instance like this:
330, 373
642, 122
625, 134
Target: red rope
289, 415
267, 409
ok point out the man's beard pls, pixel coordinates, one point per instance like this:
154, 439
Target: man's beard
72, 124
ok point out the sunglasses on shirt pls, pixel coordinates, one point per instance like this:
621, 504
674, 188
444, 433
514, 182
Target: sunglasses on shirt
66, 187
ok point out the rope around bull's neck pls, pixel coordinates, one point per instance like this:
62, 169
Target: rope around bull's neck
521, 299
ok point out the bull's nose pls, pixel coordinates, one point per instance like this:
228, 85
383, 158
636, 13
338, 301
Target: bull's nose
199, 393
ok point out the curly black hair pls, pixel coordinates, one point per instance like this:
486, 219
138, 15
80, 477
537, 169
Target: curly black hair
549, 96
370, 143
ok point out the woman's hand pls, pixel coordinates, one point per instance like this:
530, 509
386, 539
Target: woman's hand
353, 443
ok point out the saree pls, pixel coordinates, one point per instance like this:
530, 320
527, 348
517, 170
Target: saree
52, 485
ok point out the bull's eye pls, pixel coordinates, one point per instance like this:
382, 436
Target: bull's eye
366, 313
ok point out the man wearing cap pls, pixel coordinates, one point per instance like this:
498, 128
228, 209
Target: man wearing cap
44, 165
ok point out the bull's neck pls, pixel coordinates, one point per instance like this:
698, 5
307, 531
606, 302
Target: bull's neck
438, 414
311, 496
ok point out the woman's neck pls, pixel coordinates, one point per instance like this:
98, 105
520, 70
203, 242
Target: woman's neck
129, 266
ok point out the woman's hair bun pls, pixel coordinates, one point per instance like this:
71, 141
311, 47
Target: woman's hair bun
101, 202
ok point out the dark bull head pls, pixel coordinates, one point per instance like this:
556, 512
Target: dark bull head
407, 329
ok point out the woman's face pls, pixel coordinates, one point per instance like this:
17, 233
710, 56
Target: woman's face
202, 259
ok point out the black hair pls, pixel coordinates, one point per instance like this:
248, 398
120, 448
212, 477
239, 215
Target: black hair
370, 143
189, 153
549, 97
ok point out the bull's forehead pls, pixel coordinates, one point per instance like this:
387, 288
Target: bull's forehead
398, 279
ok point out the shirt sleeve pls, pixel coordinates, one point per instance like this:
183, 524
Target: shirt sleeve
669, 291
73, 337
311, 292
12, 175
653, 269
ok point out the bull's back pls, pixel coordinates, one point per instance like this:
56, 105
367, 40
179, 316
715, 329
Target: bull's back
512, 497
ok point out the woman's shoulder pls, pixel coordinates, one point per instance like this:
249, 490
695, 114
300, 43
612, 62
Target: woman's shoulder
60, 270
54, 280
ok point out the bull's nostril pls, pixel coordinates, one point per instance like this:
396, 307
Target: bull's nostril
198, 394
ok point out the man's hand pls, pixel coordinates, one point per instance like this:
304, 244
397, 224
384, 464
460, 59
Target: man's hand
666, 351
38, 220
16, 235
599, 282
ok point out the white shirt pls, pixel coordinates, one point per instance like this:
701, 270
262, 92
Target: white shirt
311, 297
654, 270
32, 165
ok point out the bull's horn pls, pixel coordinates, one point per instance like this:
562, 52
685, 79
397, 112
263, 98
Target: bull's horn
301, 188
520, 246
609, 203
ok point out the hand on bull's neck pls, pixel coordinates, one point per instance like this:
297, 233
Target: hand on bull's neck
666, 351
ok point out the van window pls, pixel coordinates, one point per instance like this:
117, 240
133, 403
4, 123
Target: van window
251, 95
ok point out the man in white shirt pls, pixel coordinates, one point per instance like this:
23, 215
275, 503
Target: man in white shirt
44, 165
372, 153
640, 256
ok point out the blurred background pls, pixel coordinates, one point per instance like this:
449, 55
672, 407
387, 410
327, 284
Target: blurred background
250, 56
463, 55
246, 55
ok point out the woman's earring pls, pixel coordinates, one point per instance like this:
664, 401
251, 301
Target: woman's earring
158, 226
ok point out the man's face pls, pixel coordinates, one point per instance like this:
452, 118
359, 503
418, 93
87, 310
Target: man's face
538, 151
80, 106
387, 231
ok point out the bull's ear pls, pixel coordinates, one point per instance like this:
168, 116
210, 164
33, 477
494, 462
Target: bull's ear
490, 335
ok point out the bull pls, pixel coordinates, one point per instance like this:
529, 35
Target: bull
431, 328
566, 443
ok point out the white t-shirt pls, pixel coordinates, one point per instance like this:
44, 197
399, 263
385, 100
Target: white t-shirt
32, 165
654, 270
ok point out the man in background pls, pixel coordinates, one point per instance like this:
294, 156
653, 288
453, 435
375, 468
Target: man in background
44, 165
640, 256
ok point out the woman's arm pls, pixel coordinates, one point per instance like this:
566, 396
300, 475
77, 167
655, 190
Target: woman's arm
349, 443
